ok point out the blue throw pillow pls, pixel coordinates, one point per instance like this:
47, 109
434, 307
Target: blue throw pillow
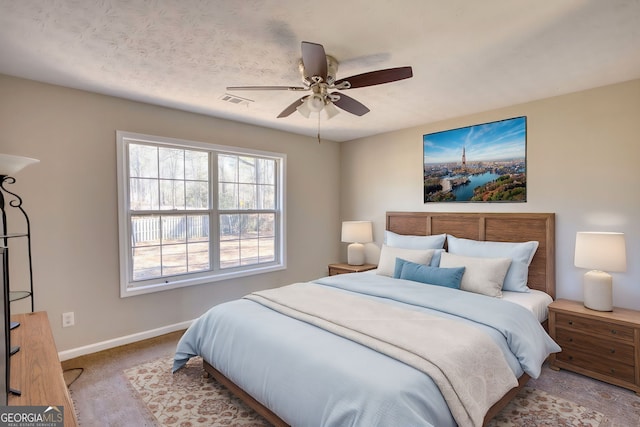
398, 267
447, 277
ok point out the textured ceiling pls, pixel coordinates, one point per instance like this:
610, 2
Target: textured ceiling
467, 56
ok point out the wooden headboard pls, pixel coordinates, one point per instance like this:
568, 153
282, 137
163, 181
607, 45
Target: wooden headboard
498, 227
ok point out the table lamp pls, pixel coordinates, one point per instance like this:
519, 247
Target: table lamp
601, 252
356, 233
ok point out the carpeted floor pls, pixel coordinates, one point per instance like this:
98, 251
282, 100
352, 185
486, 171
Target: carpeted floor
132, 385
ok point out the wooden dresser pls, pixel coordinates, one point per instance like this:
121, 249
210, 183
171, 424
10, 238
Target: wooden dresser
36, 369
602, 345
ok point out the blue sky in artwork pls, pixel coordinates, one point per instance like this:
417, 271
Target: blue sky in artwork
501, 140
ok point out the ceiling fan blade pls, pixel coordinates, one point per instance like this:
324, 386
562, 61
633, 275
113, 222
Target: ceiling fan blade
350, 105
291, 108
266, 88
314, 60
377, 77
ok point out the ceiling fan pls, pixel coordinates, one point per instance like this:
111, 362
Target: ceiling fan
318, 71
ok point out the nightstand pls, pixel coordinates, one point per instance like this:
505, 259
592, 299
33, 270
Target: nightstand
346, 268
604, 345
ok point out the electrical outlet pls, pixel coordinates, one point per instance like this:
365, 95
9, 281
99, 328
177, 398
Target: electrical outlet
68, 319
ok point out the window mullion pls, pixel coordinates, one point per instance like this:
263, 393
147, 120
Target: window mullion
214, 220
161, 246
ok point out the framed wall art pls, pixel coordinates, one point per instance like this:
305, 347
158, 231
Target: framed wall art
480, 163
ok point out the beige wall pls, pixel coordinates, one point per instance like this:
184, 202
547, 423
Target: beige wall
583, 163
583, 154
71, 199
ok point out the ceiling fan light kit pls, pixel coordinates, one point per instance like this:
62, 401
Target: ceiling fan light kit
315, 102
318, 71
330, 110
304, 109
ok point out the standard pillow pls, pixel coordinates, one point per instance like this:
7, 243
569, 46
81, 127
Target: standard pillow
435, 259
414, 242
482, 275
417, 242
388, 255
447, 277
520, 254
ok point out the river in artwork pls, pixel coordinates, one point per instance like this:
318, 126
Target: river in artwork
464, 193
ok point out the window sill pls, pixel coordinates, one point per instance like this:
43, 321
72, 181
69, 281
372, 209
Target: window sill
137, 289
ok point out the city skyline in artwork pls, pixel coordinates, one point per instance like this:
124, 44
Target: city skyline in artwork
479, 163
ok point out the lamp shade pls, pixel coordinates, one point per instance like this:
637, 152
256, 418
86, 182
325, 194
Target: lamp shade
10, 165
303, 109
357, 232
600, 251
330, 110
315, 102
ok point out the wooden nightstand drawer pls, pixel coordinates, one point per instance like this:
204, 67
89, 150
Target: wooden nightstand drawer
594, 326
597, 364
614, 350
335, 271
341, 268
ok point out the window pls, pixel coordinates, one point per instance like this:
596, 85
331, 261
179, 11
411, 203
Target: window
193, 213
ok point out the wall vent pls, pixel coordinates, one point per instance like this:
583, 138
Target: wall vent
236, 99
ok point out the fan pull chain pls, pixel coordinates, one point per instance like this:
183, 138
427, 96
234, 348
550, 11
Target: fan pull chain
318, 128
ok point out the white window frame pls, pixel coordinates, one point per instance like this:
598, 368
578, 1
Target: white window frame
129, 287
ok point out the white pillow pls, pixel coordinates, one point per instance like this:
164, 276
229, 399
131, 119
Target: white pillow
414, 242
388, 255
481, 275
520, 254
417, 242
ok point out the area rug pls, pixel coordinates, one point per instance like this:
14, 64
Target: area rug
188, 399
536, 408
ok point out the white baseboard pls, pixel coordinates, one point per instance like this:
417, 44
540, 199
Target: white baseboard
128, 339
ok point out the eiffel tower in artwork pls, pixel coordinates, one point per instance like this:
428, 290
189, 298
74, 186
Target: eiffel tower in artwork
464, 159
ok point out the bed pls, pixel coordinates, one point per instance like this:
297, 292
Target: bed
281, 352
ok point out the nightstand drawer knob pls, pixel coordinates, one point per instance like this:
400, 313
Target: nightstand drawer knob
570, 339
570, 357
571, 322
613, 331
613, 371
613, 350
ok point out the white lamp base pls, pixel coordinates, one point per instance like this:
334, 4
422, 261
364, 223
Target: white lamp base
598, 292
355, 254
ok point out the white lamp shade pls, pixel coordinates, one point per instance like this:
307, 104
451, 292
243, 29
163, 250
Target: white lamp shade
315, 102
330, 110
11, 165
357, 232
304, 110
600, 251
